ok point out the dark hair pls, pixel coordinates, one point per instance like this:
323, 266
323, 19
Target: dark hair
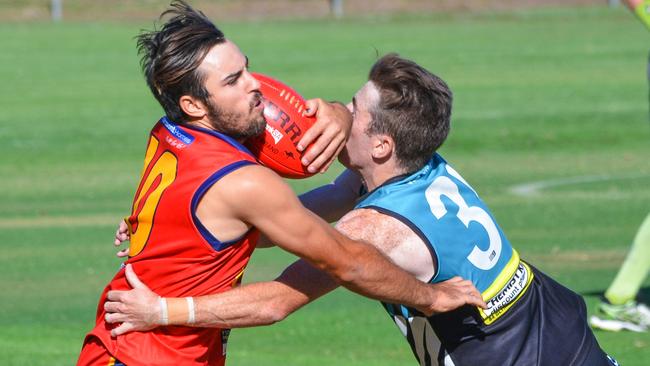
171, 57
414, 109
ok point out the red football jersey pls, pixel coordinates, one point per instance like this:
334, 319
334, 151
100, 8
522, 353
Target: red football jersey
171, 251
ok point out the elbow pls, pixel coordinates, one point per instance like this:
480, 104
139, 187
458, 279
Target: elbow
273, 313
348, 273
348, 277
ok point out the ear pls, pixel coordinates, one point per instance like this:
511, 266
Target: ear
382, 146
192, 107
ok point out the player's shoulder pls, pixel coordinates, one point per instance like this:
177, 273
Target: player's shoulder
252, 179
372, 226
361, 217
253, 187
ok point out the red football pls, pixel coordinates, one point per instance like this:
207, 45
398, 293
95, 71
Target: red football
285, 125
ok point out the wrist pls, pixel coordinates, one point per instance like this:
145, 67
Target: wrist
163, 311
177, 311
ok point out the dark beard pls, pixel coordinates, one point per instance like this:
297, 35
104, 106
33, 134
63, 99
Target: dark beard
227, 122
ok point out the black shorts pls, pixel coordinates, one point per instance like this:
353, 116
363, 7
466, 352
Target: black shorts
547, 326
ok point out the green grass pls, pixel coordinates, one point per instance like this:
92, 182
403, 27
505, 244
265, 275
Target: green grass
539, 95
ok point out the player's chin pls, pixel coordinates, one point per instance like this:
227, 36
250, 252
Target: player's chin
257, 126
344, 157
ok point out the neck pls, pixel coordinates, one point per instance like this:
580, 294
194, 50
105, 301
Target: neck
209, 126
377, 175
201, 123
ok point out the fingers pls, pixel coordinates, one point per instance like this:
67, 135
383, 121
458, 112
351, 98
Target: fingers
123, 227
123, 328
475, 297
112, 306
471, 295
122, 233
115, 317
335, 156
123, 253
318, 129
115, 295
326, 137
312, 107
133, 279
324, 149
477, 300
327, 166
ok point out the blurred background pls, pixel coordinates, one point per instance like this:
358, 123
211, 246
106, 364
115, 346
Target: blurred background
130, 10
550, 126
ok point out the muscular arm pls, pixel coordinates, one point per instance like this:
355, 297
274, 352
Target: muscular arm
330, 201
264, 303
268, 302
259, 197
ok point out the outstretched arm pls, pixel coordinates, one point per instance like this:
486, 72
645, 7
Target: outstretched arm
355, 265
329, 202
254, 304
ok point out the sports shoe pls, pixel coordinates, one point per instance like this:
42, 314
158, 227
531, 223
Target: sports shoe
629, 316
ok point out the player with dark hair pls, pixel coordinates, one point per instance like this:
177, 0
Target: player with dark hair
202, 197
422, 214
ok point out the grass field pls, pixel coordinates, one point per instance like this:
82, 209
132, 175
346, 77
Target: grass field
540, 95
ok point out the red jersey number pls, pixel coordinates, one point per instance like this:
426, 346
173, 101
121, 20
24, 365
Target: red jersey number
157, 175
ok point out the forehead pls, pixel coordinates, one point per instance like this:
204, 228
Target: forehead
367, 95
223, 59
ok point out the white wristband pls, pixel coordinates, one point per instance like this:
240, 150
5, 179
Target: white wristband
190, 310
164, 316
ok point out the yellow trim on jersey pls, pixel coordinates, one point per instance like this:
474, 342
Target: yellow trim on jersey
237, 281
111, 362
507, 289
503, 277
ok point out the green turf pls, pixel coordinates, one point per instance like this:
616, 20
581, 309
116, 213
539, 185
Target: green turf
539, 95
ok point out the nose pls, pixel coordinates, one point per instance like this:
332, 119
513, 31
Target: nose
254, 84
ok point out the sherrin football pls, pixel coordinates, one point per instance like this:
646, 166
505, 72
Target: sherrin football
285, 125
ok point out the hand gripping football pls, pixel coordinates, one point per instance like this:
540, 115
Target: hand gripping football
285, 125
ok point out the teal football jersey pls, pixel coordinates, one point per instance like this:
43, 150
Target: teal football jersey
447, 214
530, 319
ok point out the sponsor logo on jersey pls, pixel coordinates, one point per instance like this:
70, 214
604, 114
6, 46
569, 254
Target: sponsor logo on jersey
183, 137
509, 294
174, 143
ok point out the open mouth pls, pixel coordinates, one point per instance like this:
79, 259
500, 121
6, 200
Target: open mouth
257, 103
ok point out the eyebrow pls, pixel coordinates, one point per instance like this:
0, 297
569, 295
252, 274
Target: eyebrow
235, 75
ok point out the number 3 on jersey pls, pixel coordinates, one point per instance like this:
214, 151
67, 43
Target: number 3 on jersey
158, 174
443, 186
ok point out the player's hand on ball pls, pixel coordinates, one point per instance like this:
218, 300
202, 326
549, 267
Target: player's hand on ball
454, 293
137, 309
122, 235
329, 134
